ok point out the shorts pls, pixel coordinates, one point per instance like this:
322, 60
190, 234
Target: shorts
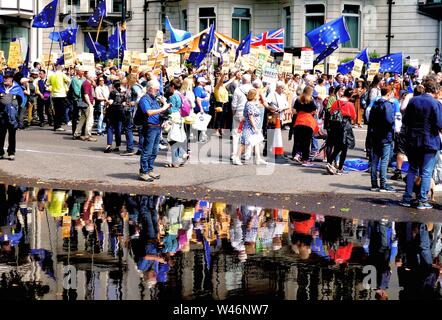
399, 143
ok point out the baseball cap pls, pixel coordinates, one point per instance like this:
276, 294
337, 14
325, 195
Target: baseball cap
34, 71
202, 79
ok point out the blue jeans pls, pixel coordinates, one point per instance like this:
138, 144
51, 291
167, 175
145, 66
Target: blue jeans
129, 127
149, 216
140, 138
112, 128
101, 126
177, 151
382, 154
421, 163
149, 151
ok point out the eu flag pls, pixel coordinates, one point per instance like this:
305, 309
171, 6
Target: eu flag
347, 67
99, 13
324, 54
97, 49
46, 18
320, 38
25, 69
176, 35
390, 63
115, 44
207, 40
244, 46
68, 36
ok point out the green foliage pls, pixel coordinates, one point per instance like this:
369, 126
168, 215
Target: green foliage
373, 55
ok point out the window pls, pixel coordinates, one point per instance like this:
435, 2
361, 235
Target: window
240, 23
352, 19
287, 26
184, 16
92, 5
117, 6
314, 18
207, 17
73, 2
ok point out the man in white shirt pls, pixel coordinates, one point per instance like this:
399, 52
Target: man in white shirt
102, 96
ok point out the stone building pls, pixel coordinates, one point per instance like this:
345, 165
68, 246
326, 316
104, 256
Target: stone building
415, 26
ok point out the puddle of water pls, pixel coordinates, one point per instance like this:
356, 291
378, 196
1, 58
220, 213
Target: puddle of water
90, 245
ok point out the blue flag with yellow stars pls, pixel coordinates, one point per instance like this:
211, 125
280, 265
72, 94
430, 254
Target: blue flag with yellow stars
244, 46
320, 38
390, 63
99, 13
324, 54
68, 36
46, 18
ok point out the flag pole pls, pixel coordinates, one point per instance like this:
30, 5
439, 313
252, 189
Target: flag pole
50, 48
99, 28
118, 45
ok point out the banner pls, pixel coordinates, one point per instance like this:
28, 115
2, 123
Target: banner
307, 57
332, 65
357, 69
14, 56
373, 71
69, 59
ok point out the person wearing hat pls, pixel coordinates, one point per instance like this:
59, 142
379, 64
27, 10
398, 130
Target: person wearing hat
11, 98
201, 101
32, 102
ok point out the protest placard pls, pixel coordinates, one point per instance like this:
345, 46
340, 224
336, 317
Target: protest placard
88, 62
270, 73
373, 71
158, 43
287, 62
307, 57
297, 66
126, 61
14, 56
332, 65
319, 67
357, 68
68, 54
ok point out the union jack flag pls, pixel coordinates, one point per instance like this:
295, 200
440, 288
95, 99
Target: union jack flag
273, 40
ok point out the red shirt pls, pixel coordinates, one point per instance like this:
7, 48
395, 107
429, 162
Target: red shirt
86, 88
347, 108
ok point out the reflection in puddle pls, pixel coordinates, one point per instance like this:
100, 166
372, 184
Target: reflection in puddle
88, 245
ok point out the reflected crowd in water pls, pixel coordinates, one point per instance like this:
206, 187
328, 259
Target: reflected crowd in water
90, 245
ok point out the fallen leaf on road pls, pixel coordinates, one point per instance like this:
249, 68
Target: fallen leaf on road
332, 207
344, 209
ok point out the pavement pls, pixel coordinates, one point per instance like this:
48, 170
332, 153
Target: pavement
54, 160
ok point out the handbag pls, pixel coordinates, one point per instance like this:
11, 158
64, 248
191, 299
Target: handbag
201, 122
166, 126
177, 133
190, 119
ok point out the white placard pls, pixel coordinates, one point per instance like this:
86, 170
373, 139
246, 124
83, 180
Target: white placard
307, 57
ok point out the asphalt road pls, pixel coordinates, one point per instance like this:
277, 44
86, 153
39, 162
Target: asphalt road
49, 159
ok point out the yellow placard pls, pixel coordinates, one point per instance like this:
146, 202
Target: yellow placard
297, 66
287, 62
69, 56
332, 65
66, 226
373, 71
357, 69
14, 57
126, 61
158, 43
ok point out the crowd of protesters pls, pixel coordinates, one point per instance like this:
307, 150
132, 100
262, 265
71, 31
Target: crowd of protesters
403, 115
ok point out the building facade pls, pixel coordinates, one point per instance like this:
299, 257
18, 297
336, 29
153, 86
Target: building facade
15, 22
415, 26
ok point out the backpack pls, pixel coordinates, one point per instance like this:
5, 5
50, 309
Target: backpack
336, 115
140, 117
185, 106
